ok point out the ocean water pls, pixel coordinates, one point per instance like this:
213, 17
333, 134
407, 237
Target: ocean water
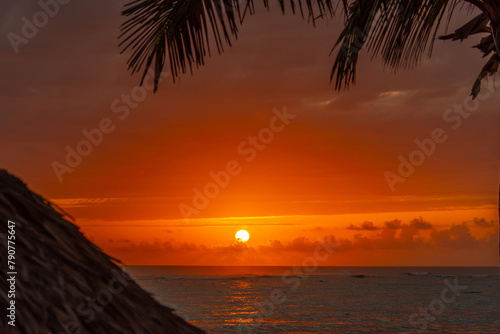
329, 299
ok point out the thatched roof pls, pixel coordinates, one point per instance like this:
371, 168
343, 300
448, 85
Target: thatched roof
64, 283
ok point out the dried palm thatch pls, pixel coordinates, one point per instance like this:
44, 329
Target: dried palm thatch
64, 283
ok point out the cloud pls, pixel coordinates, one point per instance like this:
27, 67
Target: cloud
394, 237
457, 236
484, 223
366, 226
393, 94
418, 234
300, 244
172, 251
77, 202
393, 224
314, 229
420, 224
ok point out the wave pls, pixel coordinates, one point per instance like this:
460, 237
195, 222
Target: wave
143, 276
444, 275
239, 277
247, 277
345, 274
418, 274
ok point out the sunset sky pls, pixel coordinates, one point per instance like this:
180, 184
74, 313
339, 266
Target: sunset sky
320, 174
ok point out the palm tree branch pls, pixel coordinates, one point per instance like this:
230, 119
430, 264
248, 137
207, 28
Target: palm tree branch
399, 31
184, 29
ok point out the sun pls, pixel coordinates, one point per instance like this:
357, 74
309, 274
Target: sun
242, 236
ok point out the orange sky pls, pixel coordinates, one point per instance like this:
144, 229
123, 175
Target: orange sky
318, 175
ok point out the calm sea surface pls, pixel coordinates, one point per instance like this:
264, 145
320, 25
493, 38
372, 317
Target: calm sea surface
329, 299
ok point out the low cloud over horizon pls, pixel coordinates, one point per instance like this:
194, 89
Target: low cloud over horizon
370, 245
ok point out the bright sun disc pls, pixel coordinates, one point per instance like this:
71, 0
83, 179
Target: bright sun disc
242, 236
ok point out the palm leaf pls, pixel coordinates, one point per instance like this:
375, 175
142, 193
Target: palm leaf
490, 68
183, 29
477, 25
400, 31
